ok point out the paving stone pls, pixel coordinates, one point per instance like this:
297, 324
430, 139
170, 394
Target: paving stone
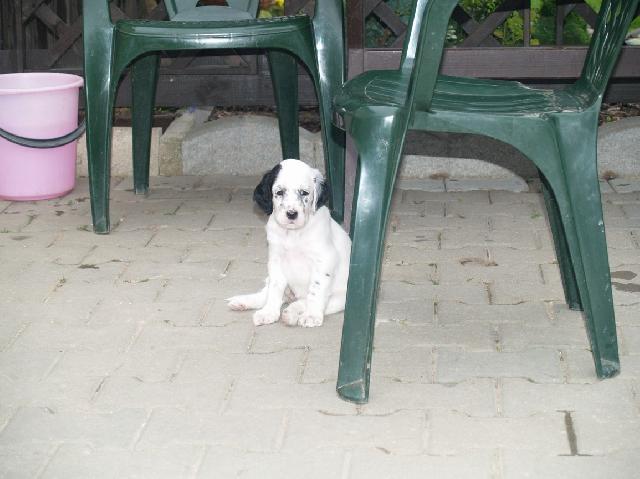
250, 431
120, 392
234, 337
519, 337
579, 366
597, 435
510, 184
248, 394
37, 425
538, 365
453, 312
83, 461
415, 255
202, 366
625, 185
254, 465
119, 356
520, 239
48, 394
453, 433
400, 336
628, 314
406, 290
379, 463
55, 336
509, 255
24, 461
521, 398
416, 311
629, 340
532, 464
399, 433
147, 366
475, 397
278, 337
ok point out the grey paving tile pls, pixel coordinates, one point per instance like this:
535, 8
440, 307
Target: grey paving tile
379, 463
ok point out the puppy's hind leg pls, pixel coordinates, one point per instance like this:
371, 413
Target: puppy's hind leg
336, 303
248, 301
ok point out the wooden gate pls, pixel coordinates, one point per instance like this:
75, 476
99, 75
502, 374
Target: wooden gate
37, 35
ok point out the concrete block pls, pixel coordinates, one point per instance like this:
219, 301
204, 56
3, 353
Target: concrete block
170, 151
121, 153
242, 145
618, 151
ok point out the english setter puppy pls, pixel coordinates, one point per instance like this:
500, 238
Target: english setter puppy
308, 251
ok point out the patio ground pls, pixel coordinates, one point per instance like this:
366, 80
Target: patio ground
119, 358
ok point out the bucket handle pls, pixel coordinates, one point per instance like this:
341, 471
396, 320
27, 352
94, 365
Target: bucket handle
46, 142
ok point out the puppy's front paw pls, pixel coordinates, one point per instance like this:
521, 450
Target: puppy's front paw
264, 316
311, 320
292, 313
237, 303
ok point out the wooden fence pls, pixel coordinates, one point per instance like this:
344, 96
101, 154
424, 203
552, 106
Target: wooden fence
37, 35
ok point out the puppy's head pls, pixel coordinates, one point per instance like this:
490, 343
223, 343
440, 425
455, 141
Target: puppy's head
292, 191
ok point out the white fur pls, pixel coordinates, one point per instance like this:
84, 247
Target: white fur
308, 255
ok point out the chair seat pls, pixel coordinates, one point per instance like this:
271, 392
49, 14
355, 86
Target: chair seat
211, 29
380, 88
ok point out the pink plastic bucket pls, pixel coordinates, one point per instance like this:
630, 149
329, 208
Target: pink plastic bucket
38, 105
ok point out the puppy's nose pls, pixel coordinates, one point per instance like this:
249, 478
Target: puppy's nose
292, 214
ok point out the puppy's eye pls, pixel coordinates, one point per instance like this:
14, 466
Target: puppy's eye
304, 193
280, 193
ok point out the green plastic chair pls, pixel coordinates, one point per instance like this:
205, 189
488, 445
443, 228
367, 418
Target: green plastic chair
112, 46
557, 130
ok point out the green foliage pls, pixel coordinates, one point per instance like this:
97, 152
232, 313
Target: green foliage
510, 33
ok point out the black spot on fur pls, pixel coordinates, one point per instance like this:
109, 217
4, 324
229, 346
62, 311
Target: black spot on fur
262, 194
325, 192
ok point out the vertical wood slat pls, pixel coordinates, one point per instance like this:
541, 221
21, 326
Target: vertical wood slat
526, 20
19, 36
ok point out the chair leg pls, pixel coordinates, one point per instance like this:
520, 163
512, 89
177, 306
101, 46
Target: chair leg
567, 273
374, 185
284, 75
99, 98
144, 78
333, 139
579, 203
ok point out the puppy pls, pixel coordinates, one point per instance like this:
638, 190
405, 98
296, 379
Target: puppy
308, 251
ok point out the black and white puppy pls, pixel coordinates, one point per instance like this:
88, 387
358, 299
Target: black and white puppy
308, 251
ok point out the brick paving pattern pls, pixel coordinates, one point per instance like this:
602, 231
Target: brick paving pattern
118, 357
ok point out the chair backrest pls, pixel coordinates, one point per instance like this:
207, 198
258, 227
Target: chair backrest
175, 6
613, 23
424, 44
423, 47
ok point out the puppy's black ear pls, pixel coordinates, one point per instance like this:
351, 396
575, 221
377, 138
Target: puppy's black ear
323, 197
321, 190
263, 194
